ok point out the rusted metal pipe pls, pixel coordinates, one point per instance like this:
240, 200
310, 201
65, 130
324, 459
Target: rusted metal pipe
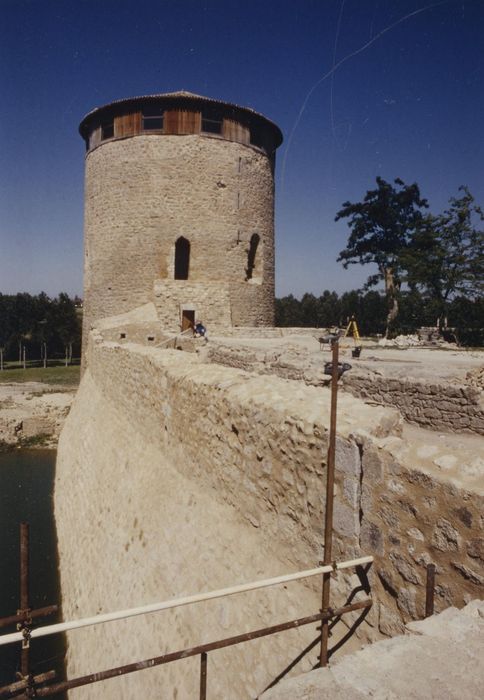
328, 518
195, 651
24, 598
203, 675
29, 615
430, 590
13, 688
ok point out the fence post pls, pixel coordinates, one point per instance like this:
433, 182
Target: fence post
24, 596
203, 675
328, 522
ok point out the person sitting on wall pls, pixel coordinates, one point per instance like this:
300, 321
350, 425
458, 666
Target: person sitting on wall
200, 330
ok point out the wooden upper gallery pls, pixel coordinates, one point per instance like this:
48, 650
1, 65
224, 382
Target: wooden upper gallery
179, 113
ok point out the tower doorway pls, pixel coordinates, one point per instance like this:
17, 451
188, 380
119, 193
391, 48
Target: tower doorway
188, 319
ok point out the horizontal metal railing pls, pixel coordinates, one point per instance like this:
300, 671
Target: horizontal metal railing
179, 602
32, 684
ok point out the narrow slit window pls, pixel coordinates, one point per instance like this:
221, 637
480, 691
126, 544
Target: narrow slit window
182, 258
107, 130
256, 138
252, 257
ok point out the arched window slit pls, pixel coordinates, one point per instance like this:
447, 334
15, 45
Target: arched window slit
182, 258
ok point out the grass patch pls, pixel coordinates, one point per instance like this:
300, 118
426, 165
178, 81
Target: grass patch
39, 440
65, 376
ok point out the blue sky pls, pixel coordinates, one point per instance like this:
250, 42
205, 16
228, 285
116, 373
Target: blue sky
406, 100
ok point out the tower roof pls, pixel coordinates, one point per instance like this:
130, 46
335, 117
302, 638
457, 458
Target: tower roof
180, 99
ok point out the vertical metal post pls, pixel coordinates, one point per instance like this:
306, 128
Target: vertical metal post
328, 521
429, 592
24, 593
203, 675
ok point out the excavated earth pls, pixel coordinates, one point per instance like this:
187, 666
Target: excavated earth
32, 414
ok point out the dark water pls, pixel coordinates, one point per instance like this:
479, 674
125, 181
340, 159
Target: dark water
26, 494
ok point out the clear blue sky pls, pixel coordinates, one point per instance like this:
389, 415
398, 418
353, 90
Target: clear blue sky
409, 103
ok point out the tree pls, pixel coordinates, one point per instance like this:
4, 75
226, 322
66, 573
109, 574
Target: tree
288, 312
445, 256
381, 227
66, 323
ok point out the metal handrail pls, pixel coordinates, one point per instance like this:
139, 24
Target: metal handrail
179, 602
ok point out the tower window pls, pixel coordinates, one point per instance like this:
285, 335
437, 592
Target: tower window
107, 130
256, 138
252, 257
211, 124
182, 258
152, 118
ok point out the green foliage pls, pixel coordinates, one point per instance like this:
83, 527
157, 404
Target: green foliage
445, 256
39, 440
380, 228
58, 375
38, 323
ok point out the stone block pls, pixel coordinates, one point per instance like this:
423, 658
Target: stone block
37, 425
406, 601
345, 520
445, 537
371, 538
373, 469
415, 533
475, 548
404, 568
347, 457
468, 573
389, 622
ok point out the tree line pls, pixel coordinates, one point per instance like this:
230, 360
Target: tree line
464, 316
39, 328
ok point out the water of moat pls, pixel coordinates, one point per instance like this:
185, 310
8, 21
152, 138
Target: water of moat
26, 494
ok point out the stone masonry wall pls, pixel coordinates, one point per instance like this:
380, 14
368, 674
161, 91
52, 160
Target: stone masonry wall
438, 406
175, 476
410, 518
210, 301
144, 192
245, 432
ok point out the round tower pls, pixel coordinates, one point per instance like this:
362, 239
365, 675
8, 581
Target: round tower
179, 210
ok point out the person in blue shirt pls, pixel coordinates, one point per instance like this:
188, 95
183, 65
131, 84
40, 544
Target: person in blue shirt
200, 330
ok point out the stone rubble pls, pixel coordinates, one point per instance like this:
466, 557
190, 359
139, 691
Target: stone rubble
32, 414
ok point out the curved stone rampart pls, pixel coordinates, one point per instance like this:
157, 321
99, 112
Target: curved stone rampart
176, 477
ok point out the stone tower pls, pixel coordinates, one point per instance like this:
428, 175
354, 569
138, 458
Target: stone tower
179, 210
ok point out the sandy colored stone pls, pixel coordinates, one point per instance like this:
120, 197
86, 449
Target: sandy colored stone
441, 658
